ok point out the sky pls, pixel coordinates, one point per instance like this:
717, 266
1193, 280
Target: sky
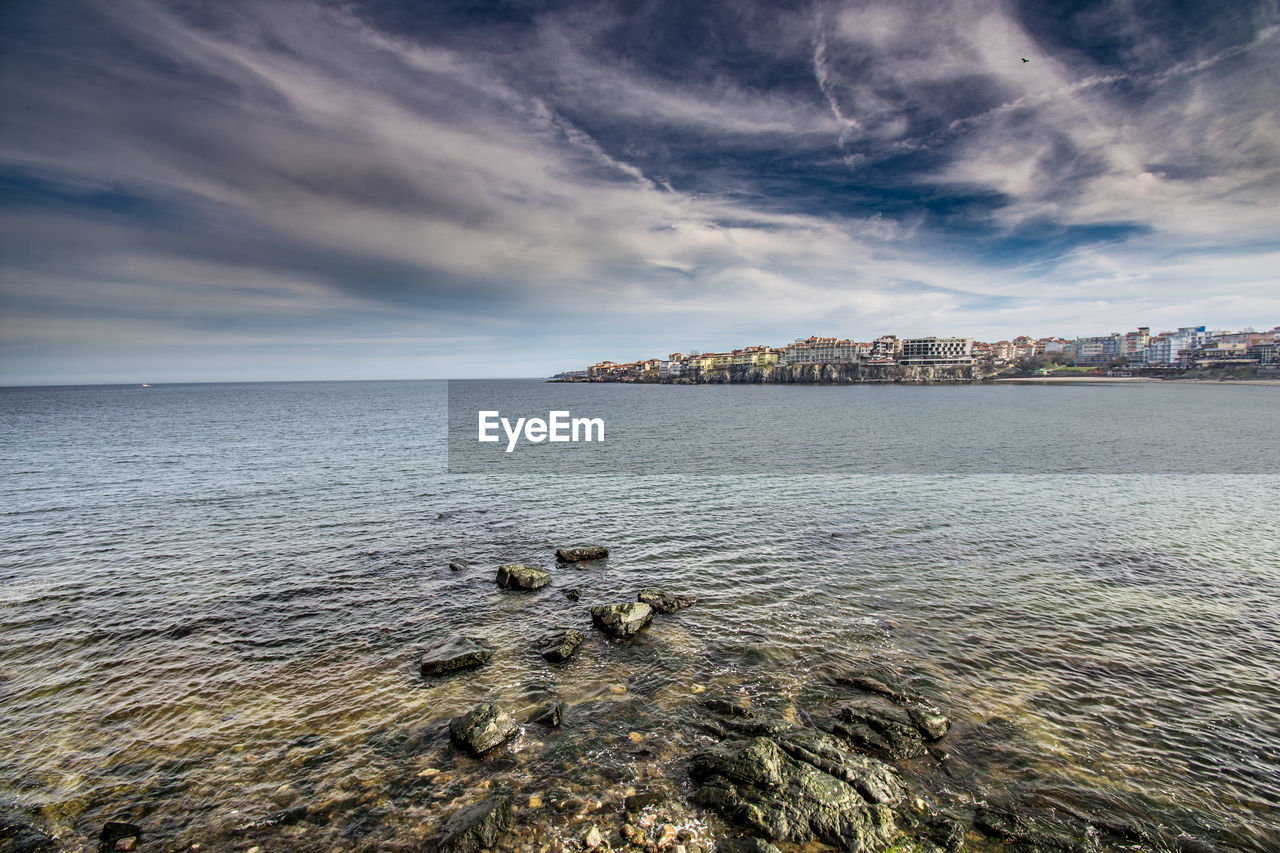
229, 190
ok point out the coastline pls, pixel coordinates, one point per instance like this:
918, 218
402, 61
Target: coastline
1103, 380
843, 374
1083, 380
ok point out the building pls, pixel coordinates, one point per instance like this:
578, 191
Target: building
757, 356
1133, 347
1001, 351
815, 350
885, 349
711, 361
936, 351
1102, 349
1175, 349
1266, 354
603, 368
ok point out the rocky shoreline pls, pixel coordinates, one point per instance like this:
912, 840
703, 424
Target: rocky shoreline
816, 374
843, 772
864, 759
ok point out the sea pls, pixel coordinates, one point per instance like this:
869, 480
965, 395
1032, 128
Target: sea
213, 598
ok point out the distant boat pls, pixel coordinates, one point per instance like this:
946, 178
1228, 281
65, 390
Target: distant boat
145, 385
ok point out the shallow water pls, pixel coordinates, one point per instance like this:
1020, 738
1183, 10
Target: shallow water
213, 598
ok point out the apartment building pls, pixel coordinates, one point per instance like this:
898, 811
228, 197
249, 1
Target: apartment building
932, 350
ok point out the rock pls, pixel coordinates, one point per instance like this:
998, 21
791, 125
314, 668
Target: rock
517, 576
876, 781
577, 555
592, 839
559, 645
476, 827
945, 832
1036, 831
458, 566
664, 602
879, 726
745, 845
573, 594
873, 684
453, 655
551, 716
118, 835
483, 727
639, 802
622, 620
18, 836
667, 836
288, 817
729, 705
783, 797
931, 722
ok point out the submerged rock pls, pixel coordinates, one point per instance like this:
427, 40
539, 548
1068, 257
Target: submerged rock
559, 645
1037, 831
622, 620
875, 684
573, 594
21, 837
577, 555
458, 566
483, 727
476, 827
879, 726
779, 794
517, 576
928, 720
551, 716
731, 705
118, 835
664, 602
639, 802
453, 655
745, 845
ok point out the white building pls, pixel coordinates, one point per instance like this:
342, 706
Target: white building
1175, 347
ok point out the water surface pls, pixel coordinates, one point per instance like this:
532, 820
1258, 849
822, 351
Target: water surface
213, 596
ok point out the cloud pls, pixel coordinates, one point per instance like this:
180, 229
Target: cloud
227, 175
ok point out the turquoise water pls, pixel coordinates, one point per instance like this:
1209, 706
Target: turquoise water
213, 597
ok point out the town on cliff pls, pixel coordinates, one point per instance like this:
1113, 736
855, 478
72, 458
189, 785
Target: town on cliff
1191, 350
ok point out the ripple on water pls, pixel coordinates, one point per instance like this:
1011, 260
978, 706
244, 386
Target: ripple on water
205, 644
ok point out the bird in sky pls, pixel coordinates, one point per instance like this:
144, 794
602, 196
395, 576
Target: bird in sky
1024, 59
